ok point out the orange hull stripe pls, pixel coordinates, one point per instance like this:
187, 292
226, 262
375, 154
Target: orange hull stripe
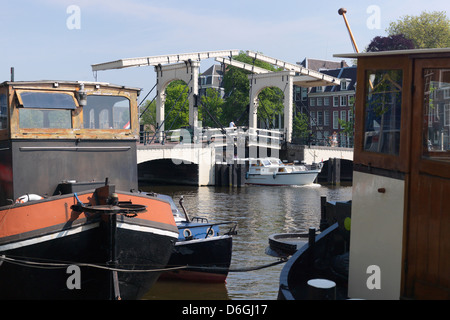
31, 216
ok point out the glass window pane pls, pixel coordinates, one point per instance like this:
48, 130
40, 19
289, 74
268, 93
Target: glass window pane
106, 112
46, 119
436, 106
383, 111
3, 112
47, 100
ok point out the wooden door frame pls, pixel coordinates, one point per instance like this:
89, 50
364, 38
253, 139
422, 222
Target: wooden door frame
397, 163
424, 215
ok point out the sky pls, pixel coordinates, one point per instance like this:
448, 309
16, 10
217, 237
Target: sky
61, 39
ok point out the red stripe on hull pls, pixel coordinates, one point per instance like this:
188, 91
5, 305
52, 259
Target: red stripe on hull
194, 276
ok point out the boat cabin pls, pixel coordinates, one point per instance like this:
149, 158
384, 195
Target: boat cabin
400, 229
60, 137
273, 165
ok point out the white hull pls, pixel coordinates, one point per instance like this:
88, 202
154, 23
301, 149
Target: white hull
283, 179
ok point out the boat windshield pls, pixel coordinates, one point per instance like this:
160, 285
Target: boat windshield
45, 110
106, 112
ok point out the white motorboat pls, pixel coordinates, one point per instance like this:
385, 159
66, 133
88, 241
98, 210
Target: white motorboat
273, 172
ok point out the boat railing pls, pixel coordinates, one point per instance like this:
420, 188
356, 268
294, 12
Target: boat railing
231, 230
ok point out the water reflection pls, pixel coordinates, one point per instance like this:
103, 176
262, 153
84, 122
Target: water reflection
260, 211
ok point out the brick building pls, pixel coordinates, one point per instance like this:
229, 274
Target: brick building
328, 104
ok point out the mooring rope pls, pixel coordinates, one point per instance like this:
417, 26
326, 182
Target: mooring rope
60, 265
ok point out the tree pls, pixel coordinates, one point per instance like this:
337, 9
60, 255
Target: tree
213, 103
237, 88
300, 126
395, 42
270, 104
148, 115
176, 108
428, 30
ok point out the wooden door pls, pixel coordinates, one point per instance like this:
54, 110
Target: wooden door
427, 255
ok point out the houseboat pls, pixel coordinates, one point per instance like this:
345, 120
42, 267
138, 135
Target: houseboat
399, 244
71, 224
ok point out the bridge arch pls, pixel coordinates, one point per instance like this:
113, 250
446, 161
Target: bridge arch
282, 80
270, 119
194, 161
186, 71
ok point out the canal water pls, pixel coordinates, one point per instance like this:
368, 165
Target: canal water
260, 211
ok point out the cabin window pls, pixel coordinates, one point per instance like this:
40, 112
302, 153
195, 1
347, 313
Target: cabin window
46, 100
383, 111
3, 112
45, 119
436, 113
45, 110
106, 112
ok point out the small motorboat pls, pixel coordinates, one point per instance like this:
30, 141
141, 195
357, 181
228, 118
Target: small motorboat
204, 248
273, 172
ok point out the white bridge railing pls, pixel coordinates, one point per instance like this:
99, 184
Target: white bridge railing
234, 136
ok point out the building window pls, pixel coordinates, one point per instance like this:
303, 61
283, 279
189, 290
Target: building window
344, 84
312, 116
326, 101
326, 118
344, 115
335, 119
312, 102
319, 118
319, 102
319, 89
343, 100
297, 93
304, 94
335, 101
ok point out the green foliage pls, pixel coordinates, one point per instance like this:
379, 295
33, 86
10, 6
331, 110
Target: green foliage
148, 116
300, 126
270, 104
348, 126
233, 106
213, 103
176, 109
428, 30
237, 91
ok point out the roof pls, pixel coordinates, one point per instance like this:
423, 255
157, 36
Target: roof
341, 73
393, 52
319, 65
37, 82
214, 70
